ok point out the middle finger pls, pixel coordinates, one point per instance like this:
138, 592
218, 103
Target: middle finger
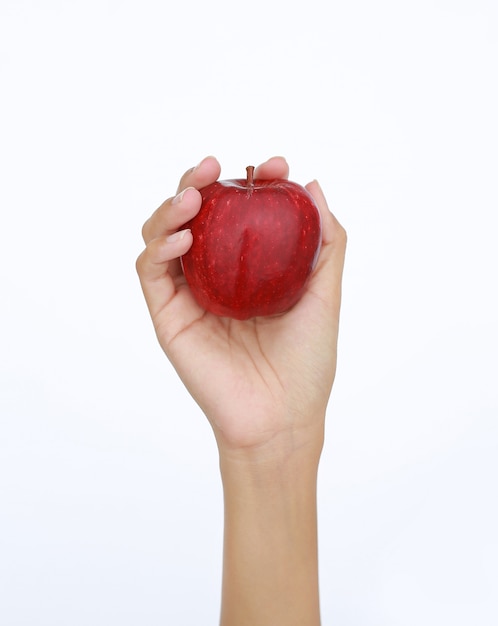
172, 214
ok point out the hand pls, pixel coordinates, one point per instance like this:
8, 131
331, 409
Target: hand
263, 383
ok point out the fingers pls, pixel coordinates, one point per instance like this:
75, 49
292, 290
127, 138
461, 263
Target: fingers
153, 268
172, 214
276, 167
332, 231
205, 173
209, 170
328, 275
159, 266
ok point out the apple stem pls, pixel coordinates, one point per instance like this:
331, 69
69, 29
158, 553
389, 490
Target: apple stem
250, 176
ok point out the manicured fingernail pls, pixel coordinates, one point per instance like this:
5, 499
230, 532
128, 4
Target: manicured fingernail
177, 199
200, 163
177, 236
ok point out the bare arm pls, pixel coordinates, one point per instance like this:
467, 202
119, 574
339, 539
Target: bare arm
270, 564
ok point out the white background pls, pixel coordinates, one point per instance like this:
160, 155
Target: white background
110, 499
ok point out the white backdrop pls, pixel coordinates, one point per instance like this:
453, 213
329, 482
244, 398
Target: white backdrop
110, 499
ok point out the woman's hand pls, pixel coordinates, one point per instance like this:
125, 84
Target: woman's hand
263, 383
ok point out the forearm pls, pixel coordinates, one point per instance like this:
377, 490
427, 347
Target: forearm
270, 566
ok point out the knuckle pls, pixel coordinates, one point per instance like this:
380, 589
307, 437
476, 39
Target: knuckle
145, 230
344, 235
139, 263
184, 179
340, 235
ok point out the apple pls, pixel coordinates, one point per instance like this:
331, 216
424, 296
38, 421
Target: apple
255, 245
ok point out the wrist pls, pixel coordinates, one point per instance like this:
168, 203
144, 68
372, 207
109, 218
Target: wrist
270, 567
287, 458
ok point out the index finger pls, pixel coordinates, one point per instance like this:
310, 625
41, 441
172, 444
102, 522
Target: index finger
205, 173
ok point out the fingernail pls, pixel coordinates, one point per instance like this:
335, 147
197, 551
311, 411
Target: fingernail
177, 199
201, 162
177, 236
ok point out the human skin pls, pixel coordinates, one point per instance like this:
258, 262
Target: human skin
264, 385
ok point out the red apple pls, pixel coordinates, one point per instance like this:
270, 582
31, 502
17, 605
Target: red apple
255, 244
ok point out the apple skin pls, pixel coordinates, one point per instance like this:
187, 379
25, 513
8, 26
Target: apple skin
255, 245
